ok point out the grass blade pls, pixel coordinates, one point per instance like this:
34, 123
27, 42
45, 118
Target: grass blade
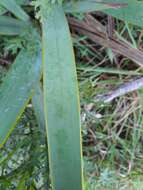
20, 2
16, 90
13, 7
85, 6
61, 103
10, 26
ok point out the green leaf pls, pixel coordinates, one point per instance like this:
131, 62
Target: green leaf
13, 7
20, 2
11, 26
85, 6
38, 104
61, 103
132, 13
16, 90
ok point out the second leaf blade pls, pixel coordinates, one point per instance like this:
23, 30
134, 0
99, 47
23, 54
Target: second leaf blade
17, 89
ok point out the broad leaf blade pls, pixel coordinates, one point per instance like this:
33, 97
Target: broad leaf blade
61, 103
13, 7
16, 90
85, 6
132, 13
10, 26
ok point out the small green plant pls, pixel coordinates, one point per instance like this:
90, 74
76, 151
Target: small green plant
51, 59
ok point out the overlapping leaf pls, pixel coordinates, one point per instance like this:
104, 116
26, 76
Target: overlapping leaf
38, 104
85, 6
13, 7
16, 90
11, 26
132, 12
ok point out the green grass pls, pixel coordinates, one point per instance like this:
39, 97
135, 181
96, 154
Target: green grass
112, 133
